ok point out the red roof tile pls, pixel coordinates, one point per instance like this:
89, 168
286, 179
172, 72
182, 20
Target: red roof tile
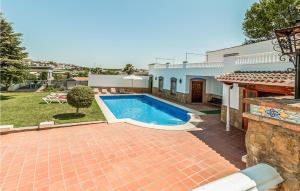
81, 78
277, 78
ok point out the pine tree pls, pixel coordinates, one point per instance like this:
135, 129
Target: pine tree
12, 55
265, 16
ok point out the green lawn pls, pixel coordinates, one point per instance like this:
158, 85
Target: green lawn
28, 109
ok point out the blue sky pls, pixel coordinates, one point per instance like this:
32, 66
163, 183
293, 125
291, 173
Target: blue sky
111, 33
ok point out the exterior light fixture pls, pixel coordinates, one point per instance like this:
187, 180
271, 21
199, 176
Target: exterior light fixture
288, 44
180, 80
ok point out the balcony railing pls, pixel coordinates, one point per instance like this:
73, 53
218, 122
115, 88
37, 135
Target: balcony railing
258, 58
189, 65
248, 59
206, 65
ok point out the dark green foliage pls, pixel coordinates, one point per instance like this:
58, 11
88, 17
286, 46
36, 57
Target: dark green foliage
11, 72
10, 42
30, 76
12, 67
83, 74
43, 76
129, 69
59, 77
69, 76
110, 72
80, 97
96, 70
265, 16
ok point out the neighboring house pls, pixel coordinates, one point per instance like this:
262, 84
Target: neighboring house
81, 79
77, 81
246, 69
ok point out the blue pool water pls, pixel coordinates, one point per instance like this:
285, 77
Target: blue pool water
145, 109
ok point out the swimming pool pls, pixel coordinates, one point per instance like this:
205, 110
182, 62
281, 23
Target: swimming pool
145, 109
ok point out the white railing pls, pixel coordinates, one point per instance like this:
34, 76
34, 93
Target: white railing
175, 65
160, 66
259, 58
189, 65
206, 65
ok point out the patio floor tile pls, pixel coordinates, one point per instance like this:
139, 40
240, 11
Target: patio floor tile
116, 157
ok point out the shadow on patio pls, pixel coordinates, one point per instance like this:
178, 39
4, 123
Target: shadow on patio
230, 145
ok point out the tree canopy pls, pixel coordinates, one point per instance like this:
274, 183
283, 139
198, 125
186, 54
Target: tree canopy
80, 97
129, 69
265, 16
96, 70
12, 54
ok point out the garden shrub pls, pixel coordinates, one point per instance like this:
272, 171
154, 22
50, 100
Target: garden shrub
80, 97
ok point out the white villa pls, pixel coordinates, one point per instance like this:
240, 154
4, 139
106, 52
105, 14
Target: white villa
227, 76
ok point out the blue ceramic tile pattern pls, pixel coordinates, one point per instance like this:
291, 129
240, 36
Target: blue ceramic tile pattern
280, 114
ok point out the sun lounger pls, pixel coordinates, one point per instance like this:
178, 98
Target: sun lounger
96, 90
58, 94
50, 99
122, 91
104, 91
113, 90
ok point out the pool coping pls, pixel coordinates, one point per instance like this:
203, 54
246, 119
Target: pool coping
110, 117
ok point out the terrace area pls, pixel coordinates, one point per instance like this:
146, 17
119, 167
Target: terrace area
119, 157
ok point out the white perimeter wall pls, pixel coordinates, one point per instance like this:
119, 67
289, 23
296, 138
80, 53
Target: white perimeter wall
116, 81
234, 96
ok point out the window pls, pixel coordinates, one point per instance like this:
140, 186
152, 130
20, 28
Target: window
160, 84
173, 86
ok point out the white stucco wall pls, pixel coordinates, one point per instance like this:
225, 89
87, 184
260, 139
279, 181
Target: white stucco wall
230, 64
218, 55
168, 74
212, 85
116, 81
234, 96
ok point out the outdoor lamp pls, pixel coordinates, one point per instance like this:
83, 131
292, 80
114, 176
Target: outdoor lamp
288, 43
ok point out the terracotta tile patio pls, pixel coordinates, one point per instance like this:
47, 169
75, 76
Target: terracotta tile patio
112, 157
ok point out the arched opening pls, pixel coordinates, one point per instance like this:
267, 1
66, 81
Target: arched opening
173, 84
160, 84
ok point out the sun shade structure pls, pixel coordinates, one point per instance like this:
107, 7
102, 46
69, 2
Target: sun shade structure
132, 78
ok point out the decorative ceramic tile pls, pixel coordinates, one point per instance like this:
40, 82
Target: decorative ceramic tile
280, 114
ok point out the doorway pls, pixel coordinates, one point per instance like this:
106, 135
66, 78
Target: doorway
197, 91
150, 84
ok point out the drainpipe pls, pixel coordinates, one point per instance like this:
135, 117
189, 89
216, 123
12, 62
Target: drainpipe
228, 109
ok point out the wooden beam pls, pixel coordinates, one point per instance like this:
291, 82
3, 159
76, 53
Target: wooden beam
269, 88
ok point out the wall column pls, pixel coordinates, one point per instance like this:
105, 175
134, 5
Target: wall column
228, 109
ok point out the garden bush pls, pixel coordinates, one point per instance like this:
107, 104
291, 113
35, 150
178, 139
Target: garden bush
80, 97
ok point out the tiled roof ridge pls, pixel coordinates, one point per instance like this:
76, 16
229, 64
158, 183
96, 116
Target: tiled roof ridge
268, 72
281, 78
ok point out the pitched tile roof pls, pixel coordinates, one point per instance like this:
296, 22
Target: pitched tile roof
81, 78
275, 78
